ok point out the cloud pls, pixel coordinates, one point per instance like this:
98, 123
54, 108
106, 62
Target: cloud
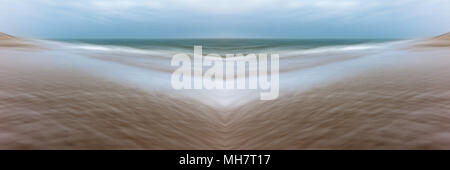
216, 7
238, 17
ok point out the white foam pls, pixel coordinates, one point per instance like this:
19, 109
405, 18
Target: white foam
106, 48
301, 80
343, 49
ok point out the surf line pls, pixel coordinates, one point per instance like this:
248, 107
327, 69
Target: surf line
230, 72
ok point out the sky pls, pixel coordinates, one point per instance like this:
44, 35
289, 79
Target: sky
224, 18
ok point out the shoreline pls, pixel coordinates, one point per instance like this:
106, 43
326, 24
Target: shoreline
394, 99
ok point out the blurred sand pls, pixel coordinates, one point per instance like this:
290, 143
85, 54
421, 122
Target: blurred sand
401, 105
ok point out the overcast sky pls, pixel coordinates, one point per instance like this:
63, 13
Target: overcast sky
224, 18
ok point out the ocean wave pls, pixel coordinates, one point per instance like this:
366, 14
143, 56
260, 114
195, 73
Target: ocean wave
364, 47
107, 48
331, 49
170, 50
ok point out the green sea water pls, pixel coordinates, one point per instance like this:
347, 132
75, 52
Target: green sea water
227, 46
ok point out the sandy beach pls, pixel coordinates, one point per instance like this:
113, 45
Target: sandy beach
396, 98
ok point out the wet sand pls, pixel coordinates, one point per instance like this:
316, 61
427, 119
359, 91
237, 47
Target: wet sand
403, 103
404, 106
48, 106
